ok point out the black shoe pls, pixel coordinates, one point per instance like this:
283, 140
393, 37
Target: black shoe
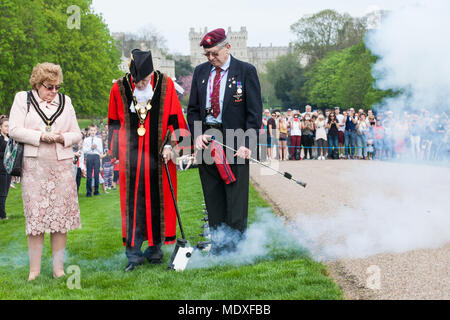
154, 255
156, 258
88, 195
96, 193
131, 266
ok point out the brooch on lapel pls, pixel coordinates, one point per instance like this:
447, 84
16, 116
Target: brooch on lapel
239, 92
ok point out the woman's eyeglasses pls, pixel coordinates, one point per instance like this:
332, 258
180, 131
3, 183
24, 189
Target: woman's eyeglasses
51, 88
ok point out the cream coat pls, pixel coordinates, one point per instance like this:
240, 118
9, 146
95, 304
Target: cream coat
28, 127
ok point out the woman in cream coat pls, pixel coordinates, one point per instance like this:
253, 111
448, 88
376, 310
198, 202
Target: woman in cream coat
48, 128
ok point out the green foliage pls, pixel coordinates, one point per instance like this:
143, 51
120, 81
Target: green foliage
286, 76
343, 78
182, 68
33, 32
327, 31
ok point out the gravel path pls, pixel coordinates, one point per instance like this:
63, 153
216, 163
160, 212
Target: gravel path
383, 229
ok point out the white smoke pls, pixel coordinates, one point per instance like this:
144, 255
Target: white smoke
415, 216
414, 55
407, 207
268, 237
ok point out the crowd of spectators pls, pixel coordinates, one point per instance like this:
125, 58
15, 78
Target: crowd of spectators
350, 134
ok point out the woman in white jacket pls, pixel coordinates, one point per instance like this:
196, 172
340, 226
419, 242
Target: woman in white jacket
45, 122
362, 129
321, 137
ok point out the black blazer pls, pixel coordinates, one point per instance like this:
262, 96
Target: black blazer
3, 144
243, 113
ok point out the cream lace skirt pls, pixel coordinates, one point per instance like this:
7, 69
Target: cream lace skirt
49, 193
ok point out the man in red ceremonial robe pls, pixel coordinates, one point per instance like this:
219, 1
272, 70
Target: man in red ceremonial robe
144, 120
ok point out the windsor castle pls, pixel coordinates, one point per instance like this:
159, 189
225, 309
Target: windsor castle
258, 56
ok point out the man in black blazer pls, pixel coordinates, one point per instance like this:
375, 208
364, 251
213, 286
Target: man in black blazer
225, 101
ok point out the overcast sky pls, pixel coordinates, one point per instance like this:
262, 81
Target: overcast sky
267, 21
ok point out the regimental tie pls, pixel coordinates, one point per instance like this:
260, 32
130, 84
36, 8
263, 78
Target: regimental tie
215, 103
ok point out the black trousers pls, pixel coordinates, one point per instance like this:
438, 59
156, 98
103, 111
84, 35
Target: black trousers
5, 181
92, 163
78, 178
227, 205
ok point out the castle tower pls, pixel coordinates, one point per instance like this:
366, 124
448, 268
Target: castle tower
237, 39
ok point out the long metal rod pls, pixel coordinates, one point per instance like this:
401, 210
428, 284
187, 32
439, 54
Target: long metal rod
174, 200
287, 175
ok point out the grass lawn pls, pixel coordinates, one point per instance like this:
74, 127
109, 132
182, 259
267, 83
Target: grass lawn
97, 251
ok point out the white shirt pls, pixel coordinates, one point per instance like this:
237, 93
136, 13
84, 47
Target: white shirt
296, 128
223, 84
340, 119
87, 145
320, 130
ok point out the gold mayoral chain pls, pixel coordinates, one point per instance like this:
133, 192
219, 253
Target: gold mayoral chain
142, 110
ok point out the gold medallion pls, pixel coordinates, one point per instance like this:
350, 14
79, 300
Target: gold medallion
141, 131
48, 128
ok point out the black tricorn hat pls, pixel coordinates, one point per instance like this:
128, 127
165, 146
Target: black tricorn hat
141, 64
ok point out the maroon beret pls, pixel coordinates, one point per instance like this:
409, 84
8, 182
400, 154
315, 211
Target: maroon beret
212, 38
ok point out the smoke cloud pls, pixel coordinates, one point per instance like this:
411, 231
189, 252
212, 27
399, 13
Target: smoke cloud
406, 208
413, 49
268, 237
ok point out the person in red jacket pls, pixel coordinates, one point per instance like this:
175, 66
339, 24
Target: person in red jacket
144, 122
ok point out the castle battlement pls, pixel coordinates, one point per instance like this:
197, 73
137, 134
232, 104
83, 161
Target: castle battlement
258, 56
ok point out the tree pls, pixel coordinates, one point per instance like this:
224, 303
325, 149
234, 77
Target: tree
186, 83
344, 78
38, 31
183, 67
327, 31
286, 76
147, 36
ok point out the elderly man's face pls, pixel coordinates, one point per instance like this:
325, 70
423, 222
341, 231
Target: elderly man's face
217, 55
141, 85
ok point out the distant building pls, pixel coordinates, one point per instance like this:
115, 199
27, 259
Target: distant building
258, 56
160, 62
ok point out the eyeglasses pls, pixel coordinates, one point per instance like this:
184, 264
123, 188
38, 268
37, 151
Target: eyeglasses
51, 88
213, 53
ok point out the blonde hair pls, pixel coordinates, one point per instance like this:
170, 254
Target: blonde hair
46, 72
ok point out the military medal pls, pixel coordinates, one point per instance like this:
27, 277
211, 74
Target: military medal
239, 92
48, 128
239, 88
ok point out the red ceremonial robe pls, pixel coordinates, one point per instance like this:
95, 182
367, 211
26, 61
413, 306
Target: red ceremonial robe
145, 199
